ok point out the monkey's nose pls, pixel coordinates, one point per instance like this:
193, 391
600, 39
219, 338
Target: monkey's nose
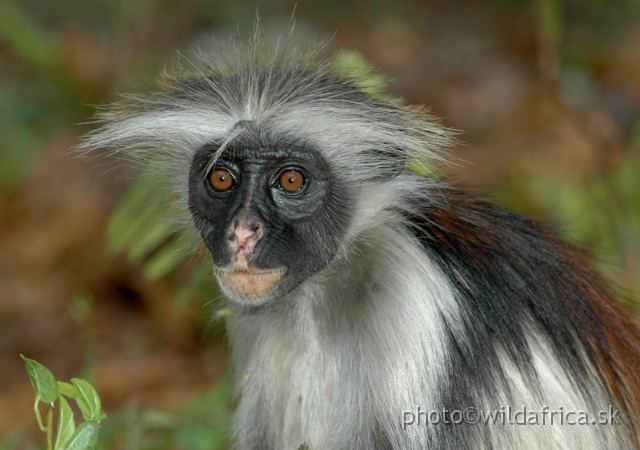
248, 234
244, 237
254, 226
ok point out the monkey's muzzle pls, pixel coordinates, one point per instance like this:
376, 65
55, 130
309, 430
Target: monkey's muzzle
250, 284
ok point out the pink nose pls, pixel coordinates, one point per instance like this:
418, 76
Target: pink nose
243, 238
248, 234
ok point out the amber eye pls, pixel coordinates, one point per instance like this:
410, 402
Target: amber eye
291, 181
221, 179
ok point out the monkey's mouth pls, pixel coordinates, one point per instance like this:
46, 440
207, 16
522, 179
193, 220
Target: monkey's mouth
250, 284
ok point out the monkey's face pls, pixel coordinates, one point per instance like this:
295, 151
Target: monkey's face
271, 217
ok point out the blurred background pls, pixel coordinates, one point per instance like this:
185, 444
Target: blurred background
94, 282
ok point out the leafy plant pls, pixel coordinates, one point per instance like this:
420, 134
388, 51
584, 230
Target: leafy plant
66, 435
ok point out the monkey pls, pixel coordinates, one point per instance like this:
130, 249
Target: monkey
375, 307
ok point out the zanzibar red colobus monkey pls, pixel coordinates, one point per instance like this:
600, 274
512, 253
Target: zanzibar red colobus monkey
375, 308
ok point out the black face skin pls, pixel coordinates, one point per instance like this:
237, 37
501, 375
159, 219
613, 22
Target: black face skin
302, 230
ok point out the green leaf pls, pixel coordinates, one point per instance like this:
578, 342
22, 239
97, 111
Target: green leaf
85, 437
88, 400
226, 312
66, 426
42, 380
67, 389
140, 208
157, 233
165, 260
421, 167
354, 65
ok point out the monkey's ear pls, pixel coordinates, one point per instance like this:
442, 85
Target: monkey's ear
389, 162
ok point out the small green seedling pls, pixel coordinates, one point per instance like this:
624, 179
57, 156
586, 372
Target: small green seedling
66, 436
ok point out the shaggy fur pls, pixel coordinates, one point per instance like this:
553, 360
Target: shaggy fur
435, 300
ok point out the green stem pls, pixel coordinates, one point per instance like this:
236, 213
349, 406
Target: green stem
50, 427
36, 411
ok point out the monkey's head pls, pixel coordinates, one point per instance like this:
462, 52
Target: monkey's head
271, 212
276, 156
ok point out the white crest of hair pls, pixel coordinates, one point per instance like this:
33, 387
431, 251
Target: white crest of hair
284, 90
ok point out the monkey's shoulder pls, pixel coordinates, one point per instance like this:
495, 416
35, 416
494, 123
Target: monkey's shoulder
507, 265
463, 224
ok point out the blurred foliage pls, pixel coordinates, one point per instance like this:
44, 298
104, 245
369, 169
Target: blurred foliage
354, 65
20, 138
202, 423
36, 100
141, 227
600, 213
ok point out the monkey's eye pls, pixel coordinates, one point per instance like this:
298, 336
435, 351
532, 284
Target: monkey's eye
221, 179
291, 181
